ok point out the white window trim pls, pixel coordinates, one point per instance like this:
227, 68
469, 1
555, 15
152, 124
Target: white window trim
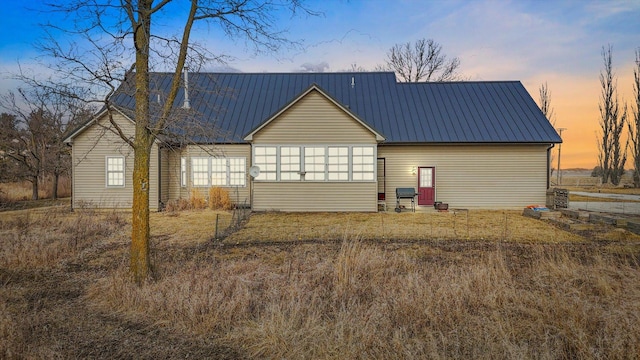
107, 171
193, 173
264, 171
227, 175
183, 172
244, 171
302, 162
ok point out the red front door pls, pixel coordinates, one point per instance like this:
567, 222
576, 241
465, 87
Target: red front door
426, 185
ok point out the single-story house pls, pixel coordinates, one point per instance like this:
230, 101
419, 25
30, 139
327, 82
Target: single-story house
326, 142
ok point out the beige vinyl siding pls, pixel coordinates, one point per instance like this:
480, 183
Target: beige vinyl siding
472, 176
239, 194
314, 196
314, 120
164, 175
90, 149
176, 191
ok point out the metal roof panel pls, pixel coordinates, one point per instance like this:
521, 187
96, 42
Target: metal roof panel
438, 112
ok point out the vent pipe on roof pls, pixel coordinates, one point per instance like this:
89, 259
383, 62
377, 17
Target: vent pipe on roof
353, 82
186, 104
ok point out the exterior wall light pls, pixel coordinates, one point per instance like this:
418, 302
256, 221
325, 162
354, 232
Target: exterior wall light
414, 170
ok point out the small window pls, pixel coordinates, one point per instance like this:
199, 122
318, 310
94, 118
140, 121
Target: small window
115, 171
183, 172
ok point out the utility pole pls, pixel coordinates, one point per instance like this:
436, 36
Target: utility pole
560, 130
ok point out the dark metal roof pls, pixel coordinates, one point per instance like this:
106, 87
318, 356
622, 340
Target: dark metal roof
451, 112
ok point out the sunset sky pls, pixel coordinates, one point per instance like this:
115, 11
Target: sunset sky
557, 42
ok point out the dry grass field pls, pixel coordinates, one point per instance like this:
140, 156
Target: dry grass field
321, 286
18, 194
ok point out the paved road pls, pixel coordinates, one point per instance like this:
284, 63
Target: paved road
612, 207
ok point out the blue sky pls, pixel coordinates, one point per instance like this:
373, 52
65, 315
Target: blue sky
558, 42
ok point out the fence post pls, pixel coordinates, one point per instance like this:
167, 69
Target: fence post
217, 218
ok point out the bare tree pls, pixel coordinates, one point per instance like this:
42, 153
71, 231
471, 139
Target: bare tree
547, 110
611, 154
545, 104
634, 126
10, 169
123, 30
26, 142
422, 61
35, 141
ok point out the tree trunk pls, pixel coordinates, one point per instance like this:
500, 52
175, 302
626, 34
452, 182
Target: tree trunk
34, 187
54, 189
140, 264
140, 234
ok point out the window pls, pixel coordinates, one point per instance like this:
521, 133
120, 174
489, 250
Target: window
237, 171
183, 172
200, 171
338, 163
314, 163
290, 163
317, 163
363, 168
218, 172
266, 159
115, 171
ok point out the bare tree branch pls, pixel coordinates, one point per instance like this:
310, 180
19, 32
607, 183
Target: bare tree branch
422, 61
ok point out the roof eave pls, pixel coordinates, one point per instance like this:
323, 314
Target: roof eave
82, 127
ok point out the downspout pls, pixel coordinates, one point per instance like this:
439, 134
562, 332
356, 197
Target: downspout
549, 165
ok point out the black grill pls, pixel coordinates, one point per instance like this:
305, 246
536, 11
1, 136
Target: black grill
406, 193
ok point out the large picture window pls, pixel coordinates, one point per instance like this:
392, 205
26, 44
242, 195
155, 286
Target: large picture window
218, 171
237, 171
200, 171
338, 163
115, 171
364, 160
290, 163
265, 157
315, 163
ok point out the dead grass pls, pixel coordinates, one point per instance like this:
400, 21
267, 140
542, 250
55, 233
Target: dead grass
21, 191
460, 225
364, 301
352, 296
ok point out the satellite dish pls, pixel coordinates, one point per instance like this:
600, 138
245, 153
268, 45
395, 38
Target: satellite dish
254, 171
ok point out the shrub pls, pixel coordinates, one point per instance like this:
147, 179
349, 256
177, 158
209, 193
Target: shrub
196, 200
219, 199
178, 205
